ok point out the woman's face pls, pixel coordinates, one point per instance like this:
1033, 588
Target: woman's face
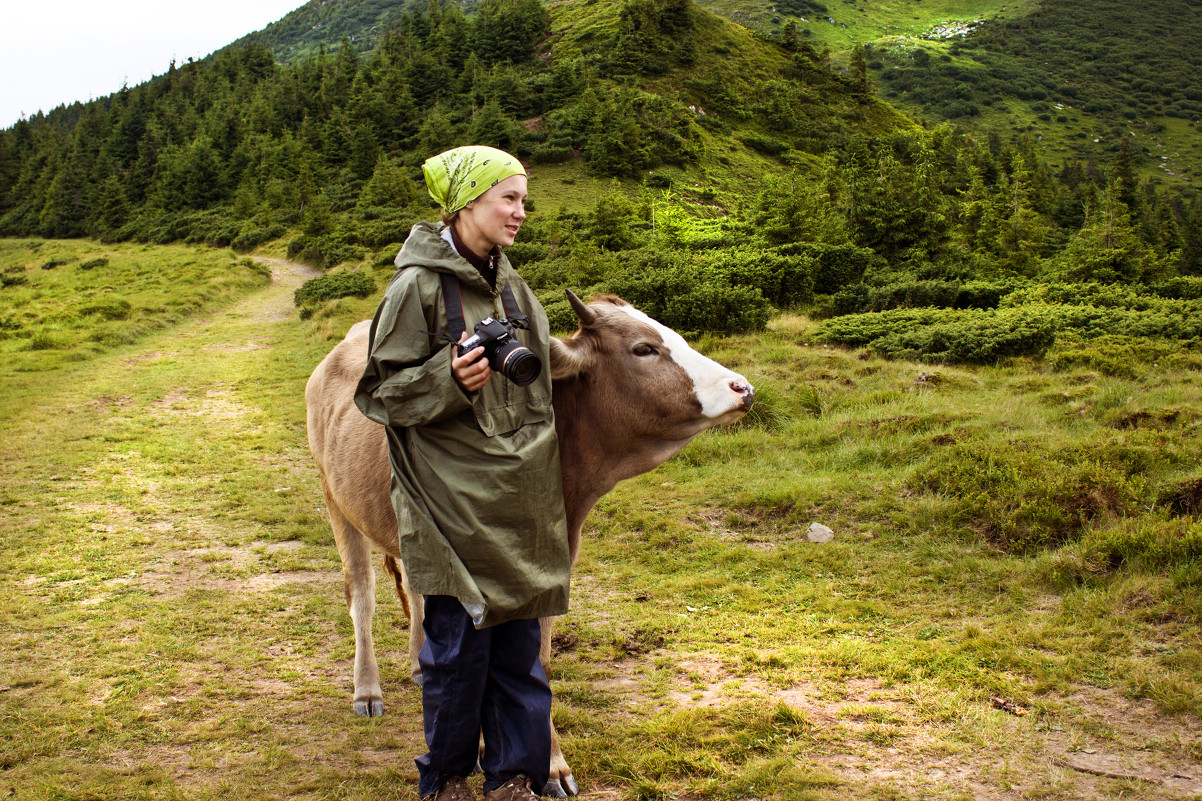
495, 217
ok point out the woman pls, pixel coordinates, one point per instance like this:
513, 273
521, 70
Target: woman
475, 481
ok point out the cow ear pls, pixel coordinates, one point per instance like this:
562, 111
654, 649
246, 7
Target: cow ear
569, 358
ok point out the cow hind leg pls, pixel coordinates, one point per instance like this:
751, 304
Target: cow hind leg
398, 577
359, 580
414, 605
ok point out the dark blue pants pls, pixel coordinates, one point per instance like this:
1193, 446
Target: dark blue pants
488, 680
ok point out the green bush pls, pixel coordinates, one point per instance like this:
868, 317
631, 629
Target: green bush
834, 266
690, 298
339, 284
1181, 288
562, 318
257, 268
782, 280
91, 264
765, 144
945, 335
387, 256
324, 251
913, 294
253, 237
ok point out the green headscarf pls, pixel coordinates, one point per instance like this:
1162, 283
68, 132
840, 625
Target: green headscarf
459, 176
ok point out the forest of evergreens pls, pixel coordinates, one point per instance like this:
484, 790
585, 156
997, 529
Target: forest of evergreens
853, 201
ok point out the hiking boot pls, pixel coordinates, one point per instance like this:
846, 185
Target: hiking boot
516, 789
455, 789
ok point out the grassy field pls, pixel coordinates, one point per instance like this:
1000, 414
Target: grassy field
173, 623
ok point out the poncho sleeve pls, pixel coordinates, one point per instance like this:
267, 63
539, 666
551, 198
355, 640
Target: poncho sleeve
408, 380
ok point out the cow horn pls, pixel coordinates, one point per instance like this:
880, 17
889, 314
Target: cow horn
587, 316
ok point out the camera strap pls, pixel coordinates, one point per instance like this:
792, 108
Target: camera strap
452, 301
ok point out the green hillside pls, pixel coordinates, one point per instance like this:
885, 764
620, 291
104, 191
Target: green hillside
319, 24
708, 172
1078, 75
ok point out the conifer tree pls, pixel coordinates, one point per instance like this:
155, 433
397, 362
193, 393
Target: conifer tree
388, 186
1125, 178
491, 126
789, 38
858, 71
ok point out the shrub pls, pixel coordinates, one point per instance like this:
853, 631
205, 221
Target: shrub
966, 336
252, 238
550, 154
256, 268
387, 256
1182, 499
324, 251
334, 285
91, 264
765, 144
912, 294
562, 318
689, 297
1182, 288
782, 280
835, 266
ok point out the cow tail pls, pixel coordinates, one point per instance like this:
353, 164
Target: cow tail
392, 567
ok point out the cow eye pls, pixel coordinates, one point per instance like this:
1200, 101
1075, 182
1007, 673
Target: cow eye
643, 349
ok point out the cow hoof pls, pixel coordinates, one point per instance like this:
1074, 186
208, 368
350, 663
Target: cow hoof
562, 787
370, 709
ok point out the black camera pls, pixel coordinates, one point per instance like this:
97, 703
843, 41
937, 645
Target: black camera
505, 354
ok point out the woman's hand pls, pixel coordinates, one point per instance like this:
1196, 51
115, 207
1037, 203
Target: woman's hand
471, 371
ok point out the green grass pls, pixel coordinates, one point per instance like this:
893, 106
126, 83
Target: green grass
173, 623
71, 300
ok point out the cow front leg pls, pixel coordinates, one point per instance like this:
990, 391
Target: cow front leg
359, 582
560, 782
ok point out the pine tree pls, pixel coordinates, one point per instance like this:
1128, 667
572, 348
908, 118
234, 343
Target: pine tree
388, 186
491, 126
510, 30
789, 38
858, 71
1125, 178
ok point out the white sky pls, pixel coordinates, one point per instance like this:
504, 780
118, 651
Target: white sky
58, 51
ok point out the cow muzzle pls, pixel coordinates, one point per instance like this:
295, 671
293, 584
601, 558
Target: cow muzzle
744, 390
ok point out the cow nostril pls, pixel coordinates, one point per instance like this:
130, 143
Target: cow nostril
740, 387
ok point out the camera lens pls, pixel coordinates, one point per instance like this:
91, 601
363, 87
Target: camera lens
517, 363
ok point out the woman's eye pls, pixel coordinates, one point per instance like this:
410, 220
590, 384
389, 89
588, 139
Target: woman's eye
643, 349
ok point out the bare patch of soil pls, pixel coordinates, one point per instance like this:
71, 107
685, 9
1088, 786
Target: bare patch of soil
179, 571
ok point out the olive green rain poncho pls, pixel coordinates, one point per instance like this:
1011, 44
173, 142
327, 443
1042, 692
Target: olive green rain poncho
476, 480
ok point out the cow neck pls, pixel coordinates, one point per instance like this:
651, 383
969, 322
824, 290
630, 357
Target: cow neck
592, 461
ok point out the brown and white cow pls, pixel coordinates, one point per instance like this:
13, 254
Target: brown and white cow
628, 393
